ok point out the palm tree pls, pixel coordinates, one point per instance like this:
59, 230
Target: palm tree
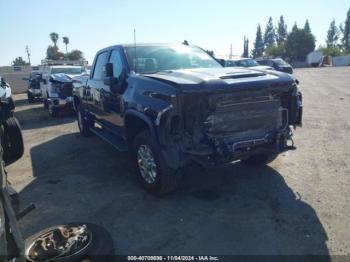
66, 42
54, 38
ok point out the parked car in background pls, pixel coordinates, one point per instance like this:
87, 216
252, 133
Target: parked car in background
11, 241
34, 90
277, 63
10, 130
246, 62
56, 86
170, 105
11, 149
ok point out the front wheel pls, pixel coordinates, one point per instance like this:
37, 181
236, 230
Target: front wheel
13, 141
84, 124
155, 176
53, 111
45, 103
259, 160
30, 98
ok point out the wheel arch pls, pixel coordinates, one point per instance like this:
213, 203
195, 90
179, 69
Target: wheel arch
135, 122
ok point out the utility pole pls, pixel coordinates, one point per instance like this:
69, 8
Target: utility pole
28, 54
230, 57
246, 47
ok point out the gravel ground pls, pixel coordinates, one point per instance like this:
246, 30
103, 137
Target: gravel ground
299, 204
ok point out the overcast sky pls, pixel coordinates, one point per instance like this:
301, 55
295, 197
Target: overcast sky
92, 25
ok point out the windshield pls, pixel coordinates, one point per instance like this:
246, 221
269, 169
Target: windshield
246, 63
152, 59
68, 70
230, 63
280, 62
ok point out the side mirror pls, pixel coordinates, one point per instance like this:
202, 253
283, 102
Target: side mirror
44, 81
26, 78
110, 80
109, 70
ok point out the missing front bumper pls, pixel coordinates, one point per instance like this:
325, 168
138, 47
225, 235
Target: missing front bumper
60, 103
227, 152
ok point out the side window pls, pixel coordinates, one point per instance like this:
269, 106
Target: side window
117, 61
99, 69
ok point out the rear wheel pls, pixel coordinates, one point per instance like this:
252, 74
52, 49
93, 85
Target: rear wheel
84, 123
259, 160
154, 174
13, 140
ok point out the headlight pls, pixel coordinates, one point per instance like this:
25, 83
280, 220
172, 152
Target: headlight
4, 98
5, 94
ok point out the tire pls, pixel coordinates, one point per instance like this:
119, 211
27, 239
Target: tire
12, 141
101, 247
259, 160
166, 179
84, 124
30, 98
54, 112
45, 103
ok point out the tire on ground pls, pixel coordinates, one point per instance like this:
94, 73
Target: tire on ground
45, 103
12, 141
259, 160
85, 124
101, 247
53, 111
30, 98
167, 178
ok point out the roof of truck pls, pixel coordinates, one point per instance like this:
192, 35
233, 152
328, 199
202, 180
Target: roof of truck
60, 66
138, 45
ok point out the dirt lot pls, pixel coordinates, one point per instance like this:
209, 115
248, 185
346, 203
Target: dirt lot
297, 205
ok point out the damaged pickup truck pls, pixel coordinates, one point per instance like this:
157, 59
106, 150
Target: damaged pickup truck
56, 87
170, 105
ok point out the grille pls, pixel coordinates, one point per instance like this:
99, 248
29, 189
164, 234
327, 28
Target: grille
244, 119
66, 90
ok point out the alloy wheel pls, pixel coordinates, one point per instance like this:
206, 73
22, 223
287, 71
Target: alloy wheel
147, 164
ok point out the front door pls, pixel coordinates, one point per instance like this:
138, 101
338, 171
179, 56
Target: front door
111, 101
95, 86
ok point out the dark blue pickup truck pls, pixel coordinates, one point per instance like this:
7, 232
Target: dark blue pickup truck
170, 105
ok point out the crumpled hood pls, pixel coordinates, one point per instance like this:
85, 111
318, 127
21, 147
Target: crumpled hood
261, 67
60, 77
223, 78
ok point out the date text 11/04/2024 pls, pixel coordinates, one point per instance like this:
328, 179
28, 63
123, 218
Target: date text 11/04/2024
173, 258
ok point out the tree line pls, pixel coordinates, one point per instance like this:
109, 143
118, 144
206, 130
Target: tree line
297, 43
53, 52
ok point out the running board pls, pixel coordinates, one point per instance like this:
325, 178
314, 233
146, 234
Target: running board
117, 143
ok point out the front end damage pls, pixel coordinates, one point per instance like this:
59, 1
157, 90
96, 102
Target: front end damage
61, 91
214, 128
